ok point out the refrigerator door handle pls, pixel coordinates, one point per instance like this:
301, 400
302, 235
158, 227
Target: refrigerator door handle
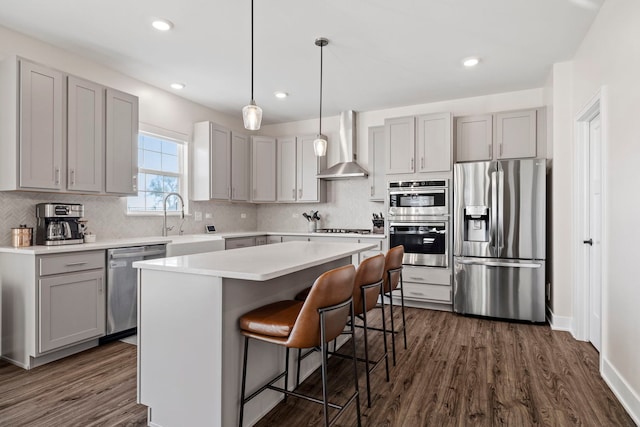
500, 264
493, 238
500, 224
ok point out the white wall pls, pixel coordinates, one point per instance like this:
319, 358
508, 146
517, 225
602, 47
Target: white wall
159, 109
610, 56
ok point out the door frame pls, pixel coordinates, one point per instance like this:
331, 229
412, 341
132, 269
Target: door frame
581, 298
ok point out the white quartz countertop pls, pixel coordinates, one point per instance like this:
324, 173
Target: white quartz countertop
152, 240
258, 263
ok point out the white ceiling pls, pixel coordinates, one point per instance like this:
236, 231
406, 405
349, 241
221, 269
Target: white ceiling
381, 53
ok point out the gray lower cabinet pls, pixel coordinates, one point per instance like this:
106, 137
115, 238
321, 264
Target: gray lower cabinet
427, 284
239, 242
72, 309
71, 294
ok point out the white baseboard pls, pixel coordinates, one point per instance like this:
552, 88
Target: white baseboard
625, 394
560, 323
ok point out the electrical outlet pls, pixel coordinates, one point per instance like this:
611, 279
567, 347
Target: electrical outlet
197, 216
208, 215
295, 215
243, 215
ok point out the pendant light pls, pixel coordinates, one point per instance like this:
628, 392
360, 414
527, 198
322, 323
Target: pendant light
320, 143
252, 114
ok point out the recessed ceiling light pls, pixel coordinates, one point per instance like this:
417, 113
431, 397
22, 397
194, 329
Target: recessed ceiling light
471, 62
280, 94
162, 24
177, 86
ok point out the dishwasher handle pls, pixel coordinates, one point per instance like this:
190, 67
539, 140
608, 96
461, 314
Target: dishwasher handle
142, 254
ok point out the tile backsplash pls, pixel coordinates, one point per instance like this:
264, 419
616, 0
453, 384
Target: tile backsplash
347, 206
108, 219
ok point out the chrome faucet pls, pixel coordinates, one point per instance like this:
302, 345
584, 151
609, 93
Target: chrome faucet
164, 208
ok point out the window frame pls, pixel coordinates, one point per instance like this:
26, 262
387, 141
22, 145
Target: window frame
183, 162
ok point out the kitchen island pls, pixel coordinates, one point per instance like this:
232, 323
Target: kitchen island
190, 347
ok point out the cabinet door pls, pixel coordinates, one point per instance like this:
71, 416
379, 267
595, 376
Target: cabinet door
41, 127
239, 167
516, 134
377, 180
474, 138
220, 162
286, 170
264, 169
239, 242
434, 142
85, 135
308, 165
400, 143
121, 143
72, 309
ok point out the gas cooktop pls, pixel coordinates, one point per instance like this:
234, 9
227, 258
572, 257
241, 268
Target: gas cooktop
344, 230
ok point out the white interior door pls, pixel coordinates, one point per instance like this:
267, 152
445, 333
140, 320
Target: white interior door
595, 233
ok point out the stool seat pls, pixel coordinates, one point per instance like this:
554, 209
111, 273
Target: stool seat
272, 320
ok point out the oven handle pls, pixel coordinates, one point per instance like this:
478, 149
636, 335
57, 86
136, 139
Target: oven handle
430, 191
417, 224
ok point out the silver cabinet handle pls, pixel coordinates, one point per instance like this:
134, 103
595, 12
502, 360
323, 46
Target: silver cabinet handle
372, 191
100, 285
416, 278
72, 177
422, 162
57, 178
490, 154
293, 193
74, 264
300, 193
134, 181
501, 149
411, 163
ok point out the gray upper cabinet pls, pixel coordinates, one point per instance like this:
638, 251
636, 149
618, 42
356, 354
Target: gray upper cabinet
516, 134
263, 175
85, 135
474, 138
377, 181
211, 162
240, 167
434, 142
296, 170
121, 143
504, 135
286, 169
400, 142
65, 137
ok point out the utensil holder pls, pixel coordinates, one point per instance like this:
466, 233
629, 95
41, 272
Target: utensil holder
378, 226
312, 226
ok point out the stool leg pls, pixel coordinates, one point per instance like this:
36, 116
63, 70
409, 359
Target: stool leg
325, 394
404, 323
286, 373
393, 329
244, 379
355, 367
366, 346
384, 333
298, 373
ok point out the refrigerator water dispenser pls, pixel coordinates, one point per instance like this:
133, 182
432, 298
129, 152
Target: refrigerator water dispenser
476, 224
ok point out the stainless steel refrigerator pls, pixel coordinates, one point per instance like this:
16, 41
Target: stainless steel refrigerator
499, 239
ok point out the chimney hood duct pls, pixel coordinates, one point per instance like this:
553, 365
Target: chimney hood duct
347, 167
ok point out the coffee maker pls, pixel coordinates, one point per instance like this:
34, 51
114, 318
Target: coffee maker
59, 223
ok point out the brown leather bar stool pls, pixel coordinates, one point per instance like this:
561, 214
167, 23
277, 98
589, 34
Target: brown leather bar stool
312, 324
392, 281
367, 286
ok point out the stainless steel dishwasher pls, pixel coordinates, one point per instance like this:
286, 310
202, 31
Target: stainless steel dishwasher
122, 301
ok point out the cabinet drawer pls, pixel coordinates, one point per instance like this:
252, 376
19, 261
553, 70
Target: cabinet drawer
420, 291
261, 240
432, 276
68, 263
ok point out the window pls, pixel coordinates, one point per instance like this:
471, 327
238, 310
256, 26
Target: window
161, 170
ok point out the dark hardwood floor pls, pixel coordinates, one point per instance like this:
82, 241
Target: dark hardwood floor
457, 371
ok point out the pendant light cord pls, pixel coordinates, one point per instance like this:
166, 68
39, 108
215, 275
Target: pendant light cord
321, 47
252, 50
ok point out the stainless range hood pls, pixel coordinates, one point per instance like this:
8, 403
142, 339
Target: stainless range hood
347, 167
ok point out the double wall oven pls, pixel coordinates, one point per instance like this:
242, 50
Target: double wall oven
419, 220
